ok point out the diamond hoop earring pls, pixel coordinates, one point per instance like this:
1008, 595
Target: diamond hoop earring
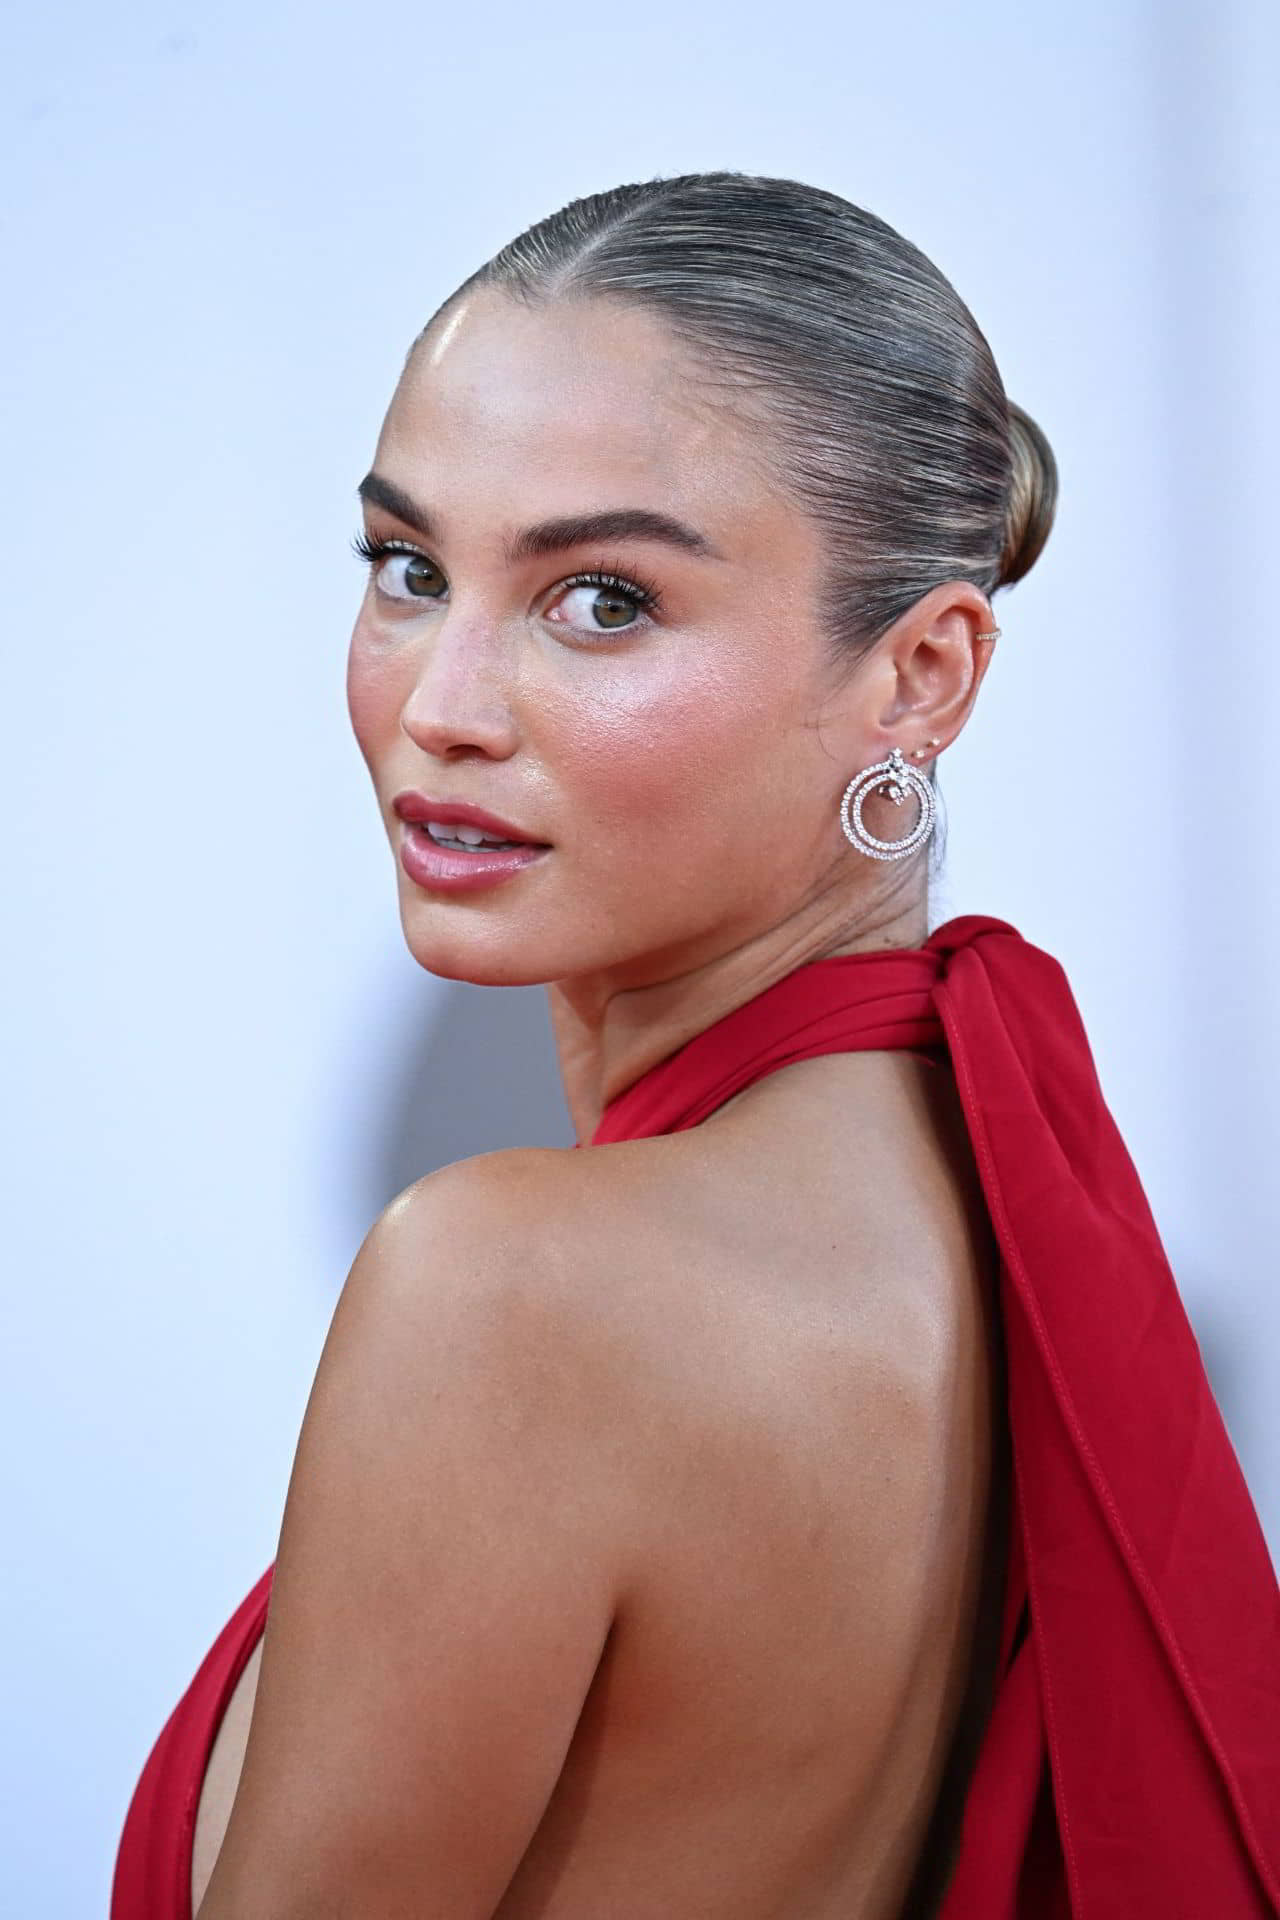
897, 779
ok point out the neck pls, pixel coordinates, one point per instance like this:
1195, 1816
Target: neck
611, 1027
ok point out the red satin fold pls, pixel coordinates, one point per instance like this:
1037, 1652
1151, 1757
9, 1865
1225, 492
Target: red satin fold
1131, 1763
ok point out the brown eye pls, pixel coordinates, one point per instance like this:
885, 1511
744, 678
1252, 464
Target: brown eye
601, 603
398, 570
410, 576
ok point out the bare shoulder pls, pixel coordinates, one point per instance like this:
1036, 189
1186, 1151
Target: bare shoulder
496, 1257
595, 1287
525, 1230
781, 1220
531, 1272
755, 1293
555, 1230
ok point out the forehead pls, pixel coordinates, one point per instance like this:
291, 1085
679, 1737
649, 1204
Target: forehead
589, 402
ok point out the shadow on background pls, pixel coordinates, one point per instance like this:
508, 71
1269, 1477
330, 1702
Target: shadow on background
483, 1076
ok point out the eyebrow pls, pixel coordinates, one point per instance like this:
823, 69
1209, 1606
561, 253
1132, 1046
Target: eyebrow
553, 536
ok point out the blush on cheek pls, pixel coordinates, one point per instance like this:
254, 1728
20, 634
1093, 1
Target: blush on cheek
658, 760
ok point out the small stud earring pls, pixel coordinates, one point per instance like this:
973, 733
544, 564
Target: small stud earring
919, 752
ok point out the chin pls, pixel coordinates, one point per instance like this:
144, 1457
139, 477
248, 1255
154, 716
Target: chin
483, 956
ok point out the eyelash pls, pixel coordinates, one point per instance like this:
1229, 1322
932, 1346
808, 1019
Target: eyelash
645, 594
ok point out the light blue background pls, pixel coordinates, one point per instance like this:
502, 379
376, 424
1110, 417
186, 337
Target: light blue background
222, 227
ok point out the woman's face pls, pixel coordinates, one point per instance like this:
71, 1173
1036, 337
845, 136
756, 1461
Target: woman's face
666, 750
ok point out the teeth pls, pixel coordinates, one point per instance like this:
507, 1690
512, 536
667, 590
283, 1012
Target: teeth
465, 836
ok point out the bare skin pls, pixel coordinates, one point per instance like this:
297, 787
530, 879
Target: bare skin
811, 1690
705, 1653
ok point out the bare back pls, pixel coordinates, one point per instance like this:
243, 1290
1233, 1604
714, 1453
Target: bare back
808, 1283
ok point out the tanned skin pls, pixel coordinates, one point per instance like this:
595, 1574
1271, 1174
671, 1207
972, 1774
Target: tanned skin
631, 1559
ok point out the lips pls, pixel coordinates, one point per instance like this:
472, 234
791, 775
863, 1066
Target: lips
449, 870
415, 809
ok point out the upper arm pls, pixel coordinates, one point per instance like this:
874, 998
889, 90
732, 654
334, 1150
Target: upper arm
447, 1573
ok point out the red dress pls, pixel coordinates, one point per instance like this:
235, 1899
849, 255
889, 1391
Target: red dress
1130, 1765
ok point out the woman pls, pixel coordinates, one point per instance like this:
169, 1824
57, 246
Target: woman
805, 1499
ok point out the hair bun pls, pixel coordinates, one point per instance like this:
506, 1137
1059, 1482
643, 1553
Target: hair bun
1033, 497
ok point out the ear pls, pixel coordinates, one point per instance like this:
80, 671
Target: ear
922, 676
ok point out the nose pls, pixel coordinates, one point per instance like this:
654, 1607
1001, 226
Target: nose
460, 701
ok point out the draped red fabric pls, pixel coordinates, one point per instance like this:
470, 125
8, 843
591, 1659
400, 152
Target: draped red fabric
1130, 1766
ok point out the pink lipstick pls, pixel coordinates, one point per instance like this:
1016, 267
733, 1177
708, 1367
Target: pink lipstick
441, 845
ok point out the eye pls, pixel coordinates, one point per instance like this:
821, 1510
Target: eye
606, 602
610, 602
400, 571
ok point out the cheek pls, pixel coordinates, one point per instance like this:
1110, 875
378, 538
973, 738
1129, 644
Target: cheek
677, 755
374, 693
